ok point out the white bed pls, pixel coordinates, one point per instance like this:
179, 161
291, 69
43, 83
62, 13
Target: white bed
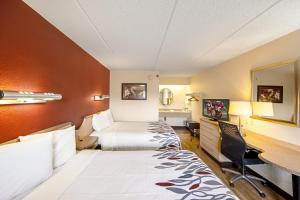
30, 170
132, 135
137, 136
121, 175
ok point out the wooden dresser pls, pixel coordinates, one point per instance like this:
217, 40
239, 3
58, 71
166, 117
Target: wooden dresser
210, 139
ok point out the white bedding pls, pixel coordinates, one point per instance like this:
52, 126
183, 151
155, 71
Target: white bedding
140, 175
137, 136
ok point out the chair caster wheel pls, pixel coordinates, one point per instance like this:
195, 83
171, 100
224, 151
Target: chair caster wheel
262, 195
231, 184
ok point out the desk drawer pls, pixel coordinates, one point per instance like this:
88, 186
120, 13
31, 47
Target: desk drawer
209, 148
208, 125
213, 134
213, 141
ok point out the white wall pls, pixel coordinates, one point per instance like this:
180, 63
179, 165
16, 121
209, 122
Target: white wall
174, 80
232, 80
134, 110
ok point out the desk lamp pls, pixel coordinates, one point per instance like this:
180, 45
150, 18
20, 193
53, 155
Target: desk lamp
240, 108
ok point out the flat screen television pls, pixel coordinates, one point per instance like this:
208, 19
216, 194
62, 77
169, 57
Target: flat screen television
216, 109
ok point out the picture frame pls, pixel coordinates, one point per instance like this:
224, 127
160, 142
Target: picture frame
270, 93
134, 91
216, 109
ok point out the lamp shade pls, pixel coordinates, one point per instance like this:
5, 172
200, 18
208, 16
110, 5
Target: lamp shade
264, 109
240, 108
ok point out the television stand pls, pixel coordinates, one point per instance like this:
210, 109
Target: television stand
213, 119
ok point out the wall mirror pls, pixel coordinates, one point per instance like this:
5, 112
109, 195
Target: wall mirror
274, 92
166, 96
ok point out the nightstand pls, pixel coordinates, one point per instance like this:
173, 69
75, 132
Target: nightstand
89, 142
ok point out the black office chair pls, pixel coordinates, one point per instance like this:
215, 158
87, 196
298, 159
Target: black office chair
234, 147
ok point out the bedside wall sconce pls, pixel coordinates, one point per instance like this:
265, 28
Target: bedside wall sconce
100, 97
24, 97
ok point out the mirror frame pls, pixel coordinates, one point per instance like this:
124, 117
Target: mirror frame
160, 98
296, 98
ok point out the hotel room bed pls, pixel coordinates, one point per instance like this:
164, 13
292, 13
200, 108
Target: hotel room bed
121, 175
138, 136
51, 170
132, 135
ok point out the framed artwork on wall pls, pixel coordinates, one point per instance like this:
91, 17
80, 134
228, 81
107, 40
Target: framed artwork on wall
134, 91
269, 93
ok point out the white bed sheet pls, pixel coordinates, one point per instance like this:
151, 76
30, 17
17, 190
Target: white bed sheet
132, 136
121, 175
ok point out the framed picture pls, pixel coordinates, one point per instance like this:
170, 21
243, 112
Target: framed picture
216, 109
268, 93
134, 91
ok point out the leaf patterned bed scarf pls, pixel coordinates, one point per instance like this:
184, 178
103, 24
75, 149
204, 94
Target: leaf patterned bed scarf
197, 180
165, 135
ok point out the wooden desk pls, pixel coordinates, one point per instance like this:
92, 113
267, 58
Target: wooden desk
278, 153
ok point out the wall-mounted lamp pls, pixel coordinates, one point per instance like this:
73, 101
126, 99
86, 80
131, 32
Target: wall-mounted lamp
23, 97
100, 97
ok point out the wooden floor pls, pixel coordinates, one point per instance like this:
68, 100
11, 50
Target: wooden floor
242, 189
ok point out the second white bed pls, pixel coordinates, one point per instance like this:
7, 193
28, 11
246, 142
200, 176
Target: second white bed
138, 136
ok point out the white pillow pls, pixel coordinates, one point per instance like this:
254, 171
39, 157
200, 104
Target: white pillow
24, 165
100, 121
109, 116
64, 144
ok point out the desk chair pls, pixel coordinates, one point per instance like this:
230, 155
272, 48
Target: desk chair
235, 149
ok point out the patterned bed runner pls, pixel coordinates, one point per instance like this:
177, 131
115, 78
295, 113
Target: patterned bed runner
197, 180
165, 135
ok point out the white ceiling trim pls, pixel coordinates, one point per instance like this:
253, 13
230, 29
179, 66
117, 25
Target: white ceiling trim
130, 28
165, 34
98, 32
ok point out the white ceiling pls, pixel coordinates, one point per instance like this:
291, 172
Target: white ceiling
171, 36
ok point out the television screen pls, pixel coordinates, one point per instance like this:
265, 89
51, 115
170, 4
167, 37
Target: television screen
216, 109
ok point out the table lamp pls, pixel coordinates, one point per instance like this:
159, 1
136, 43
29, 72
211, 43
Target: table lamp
240, 108
263, 109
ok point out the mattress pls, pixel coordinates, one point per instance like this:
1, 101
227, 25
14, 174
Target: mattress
121, 175
138, 136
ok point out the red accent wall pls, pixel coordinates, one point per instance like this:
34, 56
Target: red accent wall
35, 56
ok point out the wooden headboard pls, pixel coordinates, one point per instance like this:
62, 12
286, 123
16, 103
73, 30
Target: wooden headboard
86, 127
57, 127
